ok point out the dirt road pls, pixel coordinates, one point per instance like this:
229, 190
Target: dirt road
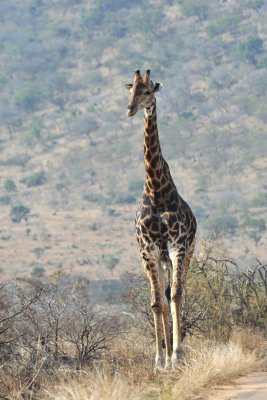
251, 387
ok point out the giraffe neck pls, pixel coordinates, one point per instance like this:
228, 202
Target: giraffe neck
157, 170
152, 150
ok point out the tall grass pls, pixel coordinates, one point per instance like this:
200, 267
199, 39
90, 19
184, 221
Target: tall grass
207, 364
210, 366
97, 386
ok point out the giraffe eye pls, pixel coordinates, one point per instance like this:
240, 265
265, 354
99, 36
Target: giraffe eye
147, 92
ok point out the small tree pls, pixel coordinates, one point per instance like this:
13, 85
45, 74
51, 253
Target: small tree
198, 9
29, 98
88, 331
19, 212
255, 4
36, 179
10, 185
223, 223
249, 49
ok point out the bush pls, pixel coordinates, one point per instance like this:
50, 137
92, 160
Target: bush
249, 49
120, 197
111, 212
92, 18
255, 4
9, 185
5, 199
99, 14
48, 326
111, 261
38, 271
224, 23
19, 161
225, 223
258, 224
192, 8
200, 212
19, 212
58, 82
260, 200
29, 98
262, 62
36, 179
136, 186
35, 131
93, 226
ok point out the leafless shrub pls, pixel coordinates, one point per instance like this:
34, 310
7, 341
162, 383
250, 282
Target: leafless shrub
87, 329
219, 296
16, 354
46, 325
238, 295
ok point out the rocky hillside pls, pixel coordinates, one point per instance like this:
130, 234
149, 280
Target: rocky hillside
71, 161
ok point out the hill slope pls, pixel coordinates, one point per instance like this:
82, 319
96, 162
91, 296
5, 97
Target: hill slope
71, 161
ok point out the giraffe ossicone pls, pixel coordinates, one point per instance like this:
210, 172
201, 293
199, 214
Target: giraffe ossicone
165, 227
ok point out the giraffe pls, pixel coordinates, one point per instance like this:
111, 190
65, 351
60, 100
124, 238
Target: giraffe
165, 227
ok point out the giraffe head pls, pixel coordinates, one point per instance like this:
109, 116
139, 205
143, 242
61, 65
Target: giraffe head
142, 92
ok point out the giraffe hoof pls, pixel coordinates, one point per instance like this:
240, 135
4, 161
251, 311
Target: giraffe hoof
168, 363
159, 364
178, 358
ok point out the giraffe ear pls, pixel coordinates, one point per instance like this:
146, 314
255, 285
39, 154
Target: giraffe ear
128, 86
157, 87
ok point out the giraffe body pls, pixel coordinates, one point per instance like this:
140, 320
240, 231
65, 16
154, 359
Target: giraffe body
165, 226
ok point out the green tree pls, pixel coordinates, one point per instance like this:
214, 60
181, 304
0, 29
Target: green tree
10, 185
255, 4
260, 200
19, 212
111, 261
249, 50
223, 23
223, 223
36, 179
192, 8
28, 98
38, 271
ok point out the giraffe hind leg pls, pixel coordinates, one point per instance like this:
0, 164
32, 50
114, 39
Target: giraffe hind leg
187, 259
181, 261
176, 299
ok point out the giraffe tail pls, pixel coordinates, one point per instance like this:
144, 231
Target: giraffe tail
168, 288
168, 292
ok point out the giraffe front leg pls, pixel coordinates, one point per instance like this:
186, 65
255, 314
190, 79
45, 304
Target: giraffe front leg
151, 268
176, 299
165, 319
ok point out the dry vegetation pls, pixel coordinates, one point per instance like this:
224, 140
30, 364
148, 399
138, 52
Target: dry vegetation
56, 344
207, 364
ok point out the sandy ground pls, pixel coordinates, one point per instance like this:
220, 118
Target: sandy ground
251, 387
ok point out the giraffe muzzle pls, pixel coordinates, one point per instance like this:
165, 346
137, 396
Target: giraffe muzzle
132, 110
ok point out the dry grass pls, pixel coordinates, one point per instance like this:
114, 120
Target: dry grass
213, 365
96, 386
250, 341
130, 377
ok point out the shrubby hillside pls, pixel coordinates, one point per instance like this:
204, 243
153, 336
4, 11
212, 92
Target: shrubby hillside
71, 161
